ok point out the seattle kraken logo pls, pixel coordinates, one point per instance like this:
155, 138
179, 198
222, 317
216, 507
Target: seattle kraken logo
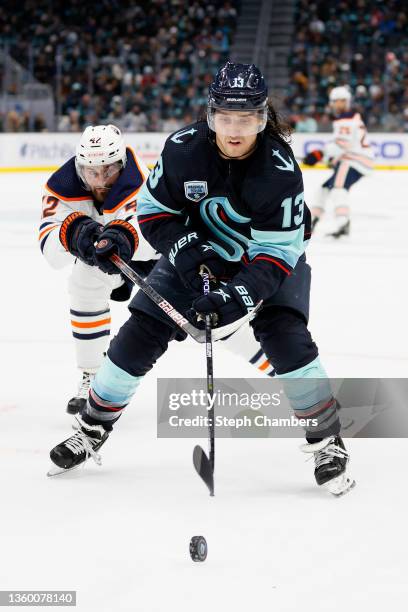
216, 212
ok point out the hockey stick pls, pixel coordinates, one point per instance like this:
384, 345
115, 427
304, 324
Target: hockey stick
199, 335
205, 465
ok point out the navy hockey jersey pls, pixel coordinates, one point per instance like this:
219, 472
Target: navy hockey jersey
251, 211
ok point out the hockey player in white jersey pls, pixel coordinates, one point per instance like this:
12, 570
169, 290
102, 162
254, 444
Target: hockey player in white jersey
96, 192
350, 156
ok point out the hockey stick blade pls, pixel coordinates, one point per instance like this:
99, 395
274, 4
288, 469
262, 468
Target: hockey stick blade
203, 468
226, 330
197, 334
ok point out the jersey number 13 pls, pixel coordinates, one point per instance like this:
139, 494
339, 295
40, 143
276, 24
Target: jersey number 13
293, 211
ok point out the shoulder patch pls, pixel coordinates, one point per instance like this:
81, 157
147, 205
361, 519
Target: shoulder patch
177, 137
195, 190
287, 162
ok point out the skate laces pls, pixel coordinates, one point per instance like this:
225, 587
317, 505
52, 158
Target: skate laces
84, 385
325, 454
328, 452
81, 442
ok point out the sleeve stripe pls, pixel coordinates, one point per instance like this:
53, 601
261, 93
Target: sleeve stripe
42, 243
45, 224
154, 217
47, 230
277, 263
148, 204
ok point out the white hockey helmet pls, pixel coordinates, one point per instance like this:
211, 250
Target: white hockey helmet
101, 145
340, 93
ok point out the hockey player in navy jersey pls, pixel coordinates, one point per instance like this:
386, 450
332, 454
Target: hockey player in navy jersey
350, 156
226, 194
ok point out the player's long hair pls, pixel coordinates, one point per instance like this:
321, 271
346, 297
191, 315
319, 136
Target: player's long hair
276, 126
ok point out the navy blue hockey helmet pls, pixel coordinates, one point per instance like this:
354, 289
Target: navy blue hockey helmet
238, 87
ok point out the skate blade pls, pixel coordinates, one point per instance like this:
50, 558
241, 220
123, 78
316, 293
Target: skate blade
340, 486
336, 236
56, 471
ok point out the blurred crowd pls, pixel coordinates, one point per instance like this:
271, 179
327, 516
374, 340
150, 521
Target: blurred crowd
360, 43
144, 66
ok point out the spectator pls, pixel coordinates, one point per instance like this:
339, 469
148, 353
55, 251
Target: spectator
148, 56
361, 44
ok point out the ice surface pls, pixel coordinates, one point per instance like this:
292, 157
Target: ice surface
119, 534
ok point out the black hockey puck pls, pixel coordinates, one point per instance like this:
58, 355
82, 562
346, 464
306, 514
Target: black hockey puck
198, 548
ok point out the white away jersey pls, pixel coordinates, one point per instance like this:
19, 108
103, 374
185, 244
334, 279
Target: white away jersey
64, 194
350, 143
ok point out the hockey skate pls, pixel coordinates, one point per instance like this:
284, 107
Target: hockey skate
315, 221
77, 403
74, 451
340, 226
331, 459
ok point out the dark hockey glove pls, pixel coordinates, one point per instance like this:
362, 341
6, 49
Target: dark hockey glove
188, 254
229, 302
117, 237
313, 157
78, 235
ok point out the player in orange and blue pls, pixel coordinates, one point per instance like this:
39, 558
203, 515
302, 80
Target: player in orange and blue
350, 156
93, 194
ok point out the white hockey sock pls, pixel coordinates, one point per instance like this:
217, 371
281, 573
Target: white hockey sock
91, 332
